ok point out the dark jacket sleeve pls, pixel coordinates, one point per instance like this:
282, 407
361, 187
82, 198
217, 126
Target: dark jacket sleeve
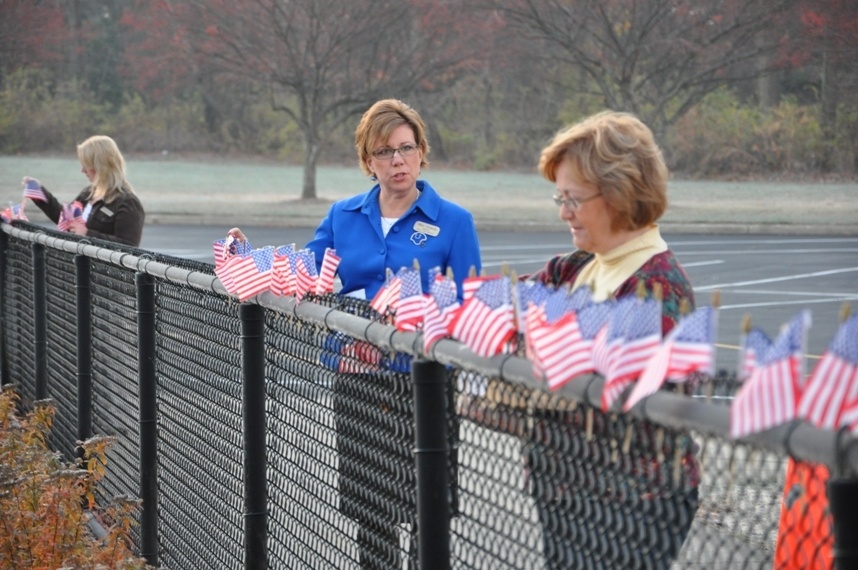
51, 208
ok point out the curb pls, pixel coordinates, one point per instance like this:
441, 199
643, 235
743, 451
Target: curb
718, 228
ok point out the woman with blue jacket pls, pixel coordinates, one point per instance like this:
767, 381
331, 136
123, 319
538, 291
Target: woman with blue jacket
399, 220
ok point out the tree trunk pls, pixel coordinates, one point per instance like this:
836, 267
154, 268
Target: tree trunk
768, 93
311, 153
74, 19
828, 100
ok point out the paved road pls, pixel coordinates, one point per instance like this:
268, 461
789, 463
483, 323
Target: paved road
768, 277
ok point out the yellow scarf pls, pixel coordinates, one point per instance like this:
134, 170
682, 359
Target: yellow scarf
606, 273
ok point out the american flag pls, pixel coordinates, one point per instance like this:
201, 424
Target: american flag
636, 339
688, 348
485, 322
225, 250
770, 395
610, 329
330, 262
33, 190
524, 293
833, 384
534, 317
580, 298
850, 417
440, 306
251, 274
68, 214
561, 358
591, 319
754, 344
558, 303
551, 342
282, 272
13, 212
388, 296
538, 303
221, 255
18, 212
471, 284
305, 272
227, 247
545, 308
409, 309
220, 251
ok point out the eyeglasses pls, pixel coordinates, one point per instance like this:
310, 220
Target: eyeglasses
572, 203
387, 153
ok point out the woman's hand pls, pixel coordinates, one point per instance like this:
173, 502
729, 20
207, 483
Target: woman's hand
237, 234
78, 227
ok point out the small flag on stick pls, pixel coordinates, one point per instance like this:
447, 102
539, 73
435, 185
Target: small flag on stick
833, 384
770, 396
33, 190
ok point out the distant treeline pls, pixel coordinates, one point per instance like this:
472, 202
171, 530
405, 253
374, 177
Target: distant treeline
758, 88
720, 138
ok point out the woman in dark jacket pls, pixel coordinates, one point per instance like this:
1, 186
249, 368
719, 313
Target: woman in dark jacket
110, 210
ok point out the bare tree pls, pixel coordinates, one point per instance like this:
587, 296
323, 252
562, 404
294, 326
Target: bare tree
323, 62
655, 58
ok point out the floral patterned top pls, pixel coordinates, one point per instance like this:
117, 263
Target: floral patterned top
662, 268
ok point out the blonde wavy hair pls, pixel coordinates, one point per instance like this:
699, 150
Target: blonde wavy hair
615, 152
380, 120
101, 154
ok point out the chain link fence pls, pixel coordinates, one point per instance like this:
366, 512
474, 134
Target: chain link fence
528, 479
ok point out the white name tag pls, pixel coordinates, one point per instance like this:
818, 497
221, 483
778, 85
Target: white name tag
427, 229
106, 211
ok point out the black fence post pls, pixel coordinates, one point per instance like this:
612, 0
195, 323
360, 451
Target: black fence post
431, 454
4, 365
255, 462
40, 321
148, 404
83, 298
843, 505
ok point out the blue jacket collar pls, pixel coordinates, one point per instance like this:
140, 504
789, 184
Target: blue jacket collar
429, 202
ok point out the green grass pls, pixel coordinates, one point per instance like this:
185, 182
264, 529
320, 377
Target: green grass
178, 190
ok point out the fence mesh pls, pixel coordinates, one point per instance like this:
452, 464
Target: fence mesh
19, 325
114, 372
537, 480
62, 363
200, 468
357, 402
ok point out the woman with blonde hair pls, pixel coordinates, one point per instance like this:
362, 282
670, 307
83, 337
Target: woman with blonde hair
110, 210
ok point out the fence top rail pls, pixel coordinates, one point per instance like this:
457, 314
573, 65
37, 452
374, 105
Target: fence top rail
838, 450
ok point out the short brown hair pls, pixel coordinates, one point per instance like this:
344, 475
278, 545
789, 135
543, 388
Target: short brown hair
380, 121
617, 153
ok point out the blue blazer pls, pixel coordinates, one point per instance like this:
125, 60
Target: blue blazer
435, 232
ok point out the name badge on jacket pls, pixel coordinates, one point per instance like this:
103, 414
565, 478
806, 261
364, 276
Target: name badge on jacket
428, 229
